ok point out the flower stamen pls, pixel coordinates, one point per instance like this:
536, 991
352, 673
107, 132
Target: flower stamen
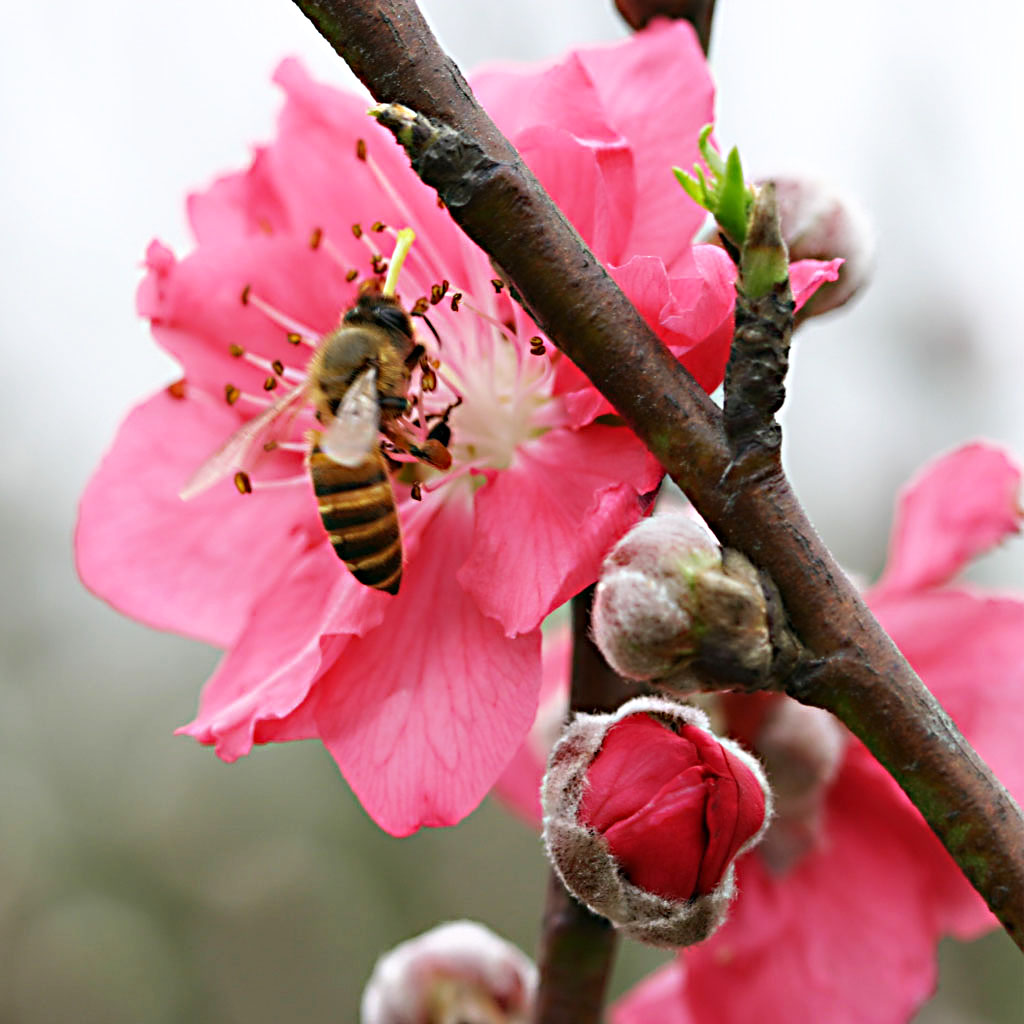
275, 368
295, 328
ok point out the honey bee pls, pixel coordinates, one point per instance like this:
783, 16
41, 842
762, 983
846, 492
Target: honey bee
358, 382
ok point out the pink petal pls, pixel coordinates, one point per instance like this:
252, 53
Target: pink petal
189, 567
556, 119
323, 183
692, 311
807, 276
238, 205
519, 785
658, 998
967, 649
556, 502
197, 312
293, 632
562, 94
658, 94
423, 712
591, 183
956, 508
847, 936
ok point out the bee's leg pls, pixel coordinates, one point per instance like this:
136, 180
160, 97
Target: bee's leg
394, 403
431, 451
415, 355
440, 431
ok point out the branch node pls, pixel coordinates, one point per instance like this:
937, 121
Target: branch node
755, 376
450, 162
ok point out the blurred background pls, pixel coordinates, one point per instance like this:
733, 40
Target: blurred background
141, 880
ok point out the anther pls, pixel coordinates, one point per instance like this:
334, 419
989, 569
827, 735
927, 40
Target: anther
270, 383
429, 380
243, 483
378, 226
277, 366
361, 149
245, 295
420, 306
231, 394
269, 446
316, 238
537, 346
440, 203
177, 389
417, 492
497, 284
357, 230
438, 292
293, 338
379, 264
351, 275
236, 350
456, 299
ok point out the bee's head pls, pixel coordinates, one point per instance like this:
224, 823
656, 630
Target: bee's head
374, 307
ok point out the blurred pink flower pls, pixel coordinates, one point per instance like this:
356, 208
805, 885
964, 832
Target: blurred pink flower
420, 698
845, 931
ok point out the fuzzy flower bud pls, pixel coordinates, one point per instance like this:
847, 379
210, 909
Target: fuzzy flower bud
669, 598
819, 223
457, 973
645, 811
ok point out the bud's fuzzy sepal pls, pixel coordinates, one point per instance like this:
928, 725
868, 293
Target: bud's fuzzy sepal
457, 972
674, 609
677, 824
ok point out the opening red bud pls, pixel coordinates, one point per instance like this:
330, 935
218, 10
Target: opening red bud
645, 812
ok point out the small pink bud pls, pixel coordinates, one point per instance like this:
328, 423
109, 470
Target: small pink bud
645, 811
457, 973
819, 223
668, 597
801, 748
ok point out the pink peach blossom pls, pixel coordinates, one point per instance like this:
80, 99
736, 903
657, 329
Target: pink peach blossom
846, 930
421, 698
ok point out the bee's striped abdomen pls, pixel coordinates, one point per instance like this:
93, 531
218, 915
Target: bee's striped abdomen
357, 507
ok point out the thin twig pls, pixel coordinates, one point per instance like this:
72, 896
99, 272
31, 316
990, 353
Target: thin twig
861, 676
577, 947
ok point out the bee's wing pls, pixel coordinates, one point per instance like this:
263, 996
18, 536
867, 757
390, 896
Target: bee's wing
353, 431
233, 455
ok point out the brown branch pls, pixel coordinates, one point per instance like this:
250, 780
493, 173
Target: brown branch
755, 378
860, 676
577, 947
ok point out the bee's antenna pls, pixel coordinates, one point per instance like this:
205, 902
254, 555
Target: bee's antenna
403, 243
426, 320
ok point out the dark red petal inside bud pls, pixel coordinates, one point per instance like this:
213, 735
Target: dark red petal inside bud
673, 808
735, 806
638, 756
659, 848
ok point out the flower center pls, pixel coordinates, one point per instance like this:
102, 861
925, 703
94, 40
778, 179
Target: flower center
506, 399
